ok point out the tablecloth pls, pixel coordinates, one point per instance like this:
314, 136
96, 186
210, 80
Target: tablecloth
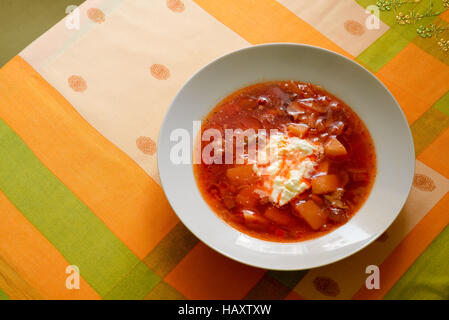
80, 112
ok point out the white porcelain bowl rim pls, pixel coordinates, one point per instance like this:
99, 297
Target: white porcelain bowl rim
387, 125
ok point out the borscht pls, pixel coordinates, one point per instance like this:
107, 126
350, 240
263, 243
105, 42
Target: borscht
284, 161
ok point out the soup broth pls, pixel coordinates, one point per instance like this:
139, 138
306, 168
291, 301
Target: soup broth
320, 169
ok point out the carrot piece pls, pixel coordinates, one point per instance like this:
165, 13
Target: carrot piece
279, 232
241, 175
325, 184
229, 202
360, 177
344, 177
312, 214
334, 148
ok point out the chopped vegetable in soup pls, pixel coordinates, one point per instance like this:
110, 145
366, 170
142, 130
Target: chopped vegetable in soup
318, 167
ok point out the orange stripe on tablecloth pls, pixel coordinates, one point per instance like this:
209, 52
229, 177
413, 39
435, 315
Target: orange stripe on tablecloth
262, 21
111, 184
205, 274
34, 259
409, 250
293, 296
14, 286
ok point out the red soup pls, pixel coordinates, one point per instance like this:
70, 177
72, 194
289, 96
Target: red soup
314, 166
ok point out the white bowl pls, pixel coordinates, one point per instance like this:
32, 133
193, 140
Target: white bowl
342, 77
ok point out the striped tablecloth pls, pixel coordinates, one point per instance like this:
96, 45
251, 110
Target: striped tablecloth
80, 112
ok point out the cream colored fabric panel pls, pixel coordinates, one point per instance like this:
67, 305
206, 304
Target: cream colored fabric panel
62, 35
342, 21
428, 188
121, 74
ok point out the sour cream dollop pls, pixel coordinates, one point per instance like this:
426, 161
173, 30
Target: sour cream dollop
291, 162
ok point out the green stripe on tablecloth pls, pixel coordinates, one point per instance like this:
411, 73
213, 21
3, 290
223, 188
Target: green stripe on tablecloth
136, 285
172, 249
23, 21
430, 45
275, 285
288, 278
428, 277
427, 128
3, 295
408, 30
268, 288
60, 216
164, 291
442, 105
387, 17
381, 51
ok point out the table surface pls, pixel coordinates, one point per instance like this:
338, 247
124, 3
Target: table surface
69, 146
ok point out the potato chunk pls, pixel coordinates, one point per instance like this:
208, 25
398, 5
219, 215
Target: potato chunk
246, 198
325, 184
254, 219
334, 148
299, 130
323, 166
312, 214
317, 199
278, 216
241, 175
